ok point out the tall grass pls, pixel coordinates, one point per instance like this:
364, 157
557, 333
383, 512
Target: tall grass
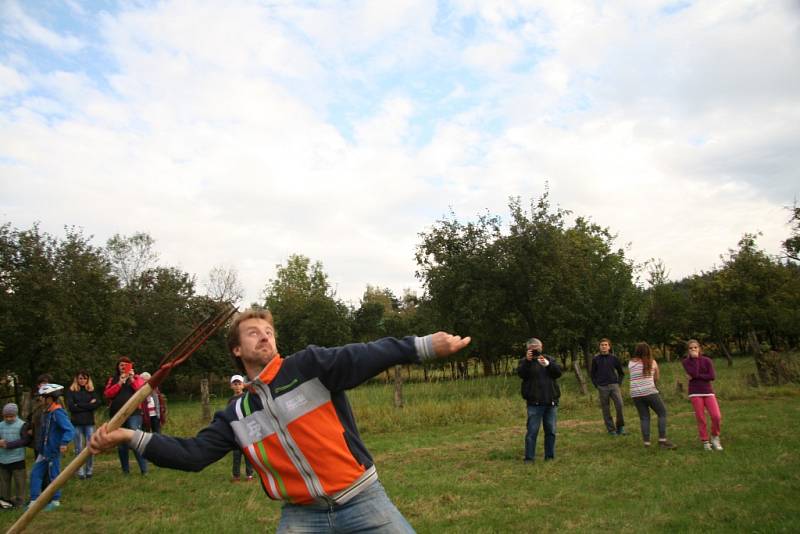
451, 461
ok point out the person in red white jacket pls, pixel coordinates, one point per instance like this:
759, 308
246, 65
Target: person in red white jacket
119, 388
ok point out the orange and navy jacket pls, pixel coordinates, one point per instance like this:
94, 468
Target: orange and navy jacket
295, 424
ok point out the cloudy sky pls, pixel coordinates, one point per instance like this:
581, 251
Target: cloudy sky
239, 132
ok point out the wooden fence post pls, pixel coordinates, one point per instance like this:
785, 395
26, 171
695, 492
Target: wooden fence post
576, 366
398, 387
204, 399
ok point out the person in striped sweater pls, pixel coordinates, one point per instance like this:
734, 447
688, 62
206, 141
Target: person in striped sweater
643, 371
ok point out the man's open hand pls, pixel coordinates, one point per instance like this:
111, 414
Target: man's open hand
445, 344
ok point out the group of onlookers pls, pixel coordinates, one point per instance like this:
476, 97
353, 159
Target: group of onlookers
540, 389
48, 429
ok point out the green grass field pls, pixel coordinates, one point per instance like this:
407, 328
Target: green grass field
451, 460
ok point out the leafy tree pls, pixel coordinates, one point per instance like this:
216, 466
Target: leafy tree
564, 284
709, 317
130, 256
156, 313
370, 319
56, 302
461, 267
665, 311
601, 298
304, 307
791, 246
570, 285
223, 285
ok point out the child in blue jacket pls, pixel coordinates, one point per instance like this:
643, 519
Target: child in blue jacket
55, 433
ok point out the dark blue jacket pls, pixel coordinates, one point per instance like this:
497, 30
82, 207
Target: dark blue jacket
80, 405
606, 370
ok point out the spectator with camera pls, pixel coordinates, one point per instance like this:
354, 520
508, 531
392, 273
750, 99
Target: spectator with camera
119, 388
541, 393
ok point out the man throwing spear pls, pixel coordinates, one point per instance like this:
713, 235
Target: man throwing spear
296, 427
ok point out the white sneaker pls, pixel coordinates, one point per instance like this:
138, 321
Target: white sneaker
716, 444
706, 446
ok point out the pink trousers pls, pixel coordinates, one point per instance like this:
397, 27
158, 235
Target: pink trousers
700, 404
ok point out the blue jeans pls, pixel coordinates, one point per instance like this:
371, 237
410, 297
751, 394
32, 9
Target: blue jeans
83, 434
546, 416
133, 422
369, 511
52, 466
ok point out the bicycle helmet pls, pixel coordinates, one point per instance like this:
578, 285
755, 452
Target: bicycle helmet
51, 390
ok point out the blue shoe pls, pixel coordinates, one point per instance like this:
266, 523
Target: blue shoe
621, 431
52, 505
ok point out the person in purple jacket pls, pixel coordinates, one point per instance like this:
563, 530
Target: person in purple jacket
700, 372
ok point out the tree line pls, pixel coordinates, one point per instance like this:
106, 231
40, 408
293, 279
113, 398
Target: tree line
67, 304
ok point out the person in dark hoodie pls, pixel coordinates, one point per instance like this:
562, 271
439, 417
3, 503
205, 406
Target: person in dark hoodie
82, 401
607, 376
541, 393
119, 389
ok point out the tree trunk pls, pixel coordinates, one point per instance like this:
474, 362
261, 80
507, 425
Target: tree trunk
755, 347
18, 393
752, 340
487, 367
398, 387
587, 354
576, 366
724, 346
26, 406
204, 399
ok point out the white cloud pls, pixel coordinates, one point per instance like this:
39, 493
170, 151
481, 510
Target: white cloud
11, 81
17, 23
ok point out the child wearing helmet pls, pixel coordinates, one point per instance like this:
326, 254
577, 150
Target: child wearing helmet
55, 433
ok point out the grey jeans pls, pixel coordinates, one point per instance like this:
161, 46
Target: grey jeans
643, 406
612, 391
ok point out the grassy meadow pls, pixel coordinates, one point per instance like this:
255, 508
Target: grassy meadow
451, 460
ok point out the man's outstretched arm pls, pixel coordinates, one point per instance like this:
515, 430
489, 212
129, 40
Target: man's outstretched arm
346, 367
